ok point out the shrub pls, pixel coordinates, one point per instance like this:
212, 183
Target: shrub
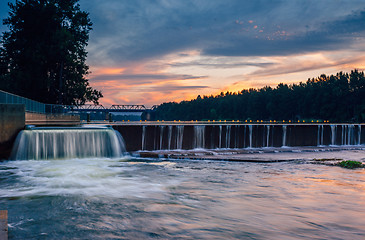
350, 164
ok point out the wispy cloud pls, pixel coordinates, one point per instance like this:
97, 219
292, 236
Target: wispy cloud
144, 78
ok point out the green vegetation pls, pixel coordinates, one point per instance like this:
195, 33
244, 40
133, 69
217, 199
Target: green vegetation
338, 98
350, 164
43, 55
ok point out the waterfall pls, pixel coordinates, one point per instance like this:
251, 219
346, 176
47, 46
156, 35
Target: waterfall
236, 128
284, 136
143, 137
333, 134
169, 137
179, 137
351, 134
161, 135
244, 136
267, 135
358, 134
343, 134
250, 130
199, 136
67, 143
228, 136
220, 137
320, 135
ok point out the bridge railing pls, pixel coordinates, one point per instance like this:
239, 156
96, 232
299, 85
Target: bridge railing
30, 105
38, 107
34, 106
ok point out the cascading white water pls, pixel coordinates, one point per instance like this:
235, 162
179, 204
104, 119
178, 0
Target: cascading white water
67, 143
250, 129
169, 136
284, 136
228, 136
333, 134
220, 137
161, 135
244, 136
358, 135
199, 136
320, 135
179, 136
143, 137
350, 134
267, 135
343, 134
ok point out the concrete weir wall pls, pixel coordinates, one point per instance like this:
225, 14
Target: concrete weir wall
190, 136
51, 119
12, 121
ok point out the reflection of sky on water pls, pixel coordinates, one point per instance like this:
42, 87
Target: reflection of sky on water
137, 198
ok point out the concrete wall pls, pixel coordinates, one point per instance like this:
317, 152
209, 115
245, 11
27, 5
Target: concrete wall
51, 119
155, 137
12, 121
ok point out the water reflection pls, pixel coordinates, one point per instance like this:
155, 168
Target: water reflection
135, 198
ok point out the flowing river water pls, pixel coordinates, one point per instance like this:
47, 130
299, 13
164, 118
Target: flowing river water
78, 183
134, 198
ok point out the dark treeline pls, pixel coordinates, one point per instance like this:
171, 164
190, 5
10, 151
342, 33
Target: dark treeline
338, 98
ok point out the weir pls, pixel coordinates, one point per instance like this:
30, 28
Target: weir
42, 143
191, 136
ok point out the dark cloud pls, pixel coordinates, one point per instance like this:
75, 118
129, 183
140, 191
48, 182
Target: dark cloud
137, 30
134, 30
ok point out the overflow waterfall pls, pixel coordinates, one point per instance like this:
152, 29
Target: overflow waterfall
213, 136
68, 143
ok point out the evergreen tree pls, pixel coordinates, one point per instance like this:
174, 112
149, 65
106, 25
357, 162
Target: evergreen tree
339, 98
43, 54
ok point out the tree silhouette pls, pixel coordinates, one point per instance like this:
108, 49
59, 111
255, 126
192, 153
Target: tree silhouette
43, 54
339, 98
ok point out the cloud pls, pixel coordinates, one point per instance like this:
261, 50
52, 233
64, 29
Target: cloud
144, 78
224, 63
167, 88
126, 31
300, 64
143, 51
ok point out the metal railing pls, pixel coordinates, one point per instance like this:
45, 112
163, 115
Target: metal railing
38, 107
30, 105
34, 106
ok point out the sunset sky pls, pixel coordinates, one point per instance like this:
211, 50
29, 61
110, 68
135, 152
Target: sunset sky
149, 52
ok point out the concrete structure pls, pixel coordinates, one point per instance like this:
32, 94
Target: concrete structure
12, 121
51, 119
159, 135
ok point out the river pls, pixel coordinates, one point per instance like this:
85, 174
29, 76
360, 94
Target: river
135, 198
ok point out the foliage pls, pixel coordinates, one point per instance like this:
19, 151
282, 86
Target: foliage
338, 98
43, 54
350, 164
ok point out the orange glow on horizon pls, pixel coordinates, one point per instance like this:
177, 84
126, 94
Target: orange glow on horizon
180, 72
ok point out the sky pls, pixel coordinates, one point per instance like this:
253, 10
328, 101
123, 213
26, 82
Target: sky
154, 51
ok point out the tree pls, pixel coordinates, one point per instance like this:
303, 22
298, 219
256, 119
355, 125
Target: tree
337, 97
43, 54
